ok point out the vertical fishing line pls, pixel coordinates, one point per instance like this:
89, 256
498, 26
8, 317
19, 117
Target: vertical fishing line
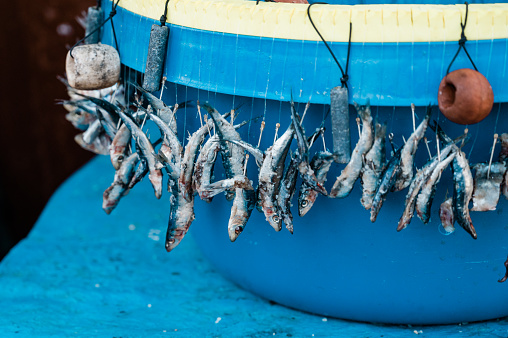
474, 141
281, 96
250, 119
268, 75
497, 117
302, 62
184, 119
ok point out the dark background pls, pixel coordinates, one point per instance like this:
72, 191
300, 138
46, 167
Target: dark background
38, 151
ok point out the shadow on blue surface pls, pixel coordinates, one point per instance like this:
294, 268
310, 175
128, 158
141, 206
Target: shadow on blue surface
81, 272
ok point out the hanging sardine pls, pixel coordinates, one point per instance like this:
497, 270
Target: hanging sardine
93, 131
243, 204
270, 174
119, 146
388, 178
373, 166
428, 189
189, 158
155, 175
181, 216
140, 173
462, 192
106, 123
408, 153
100, 144
233, 160
345, 182
286, 192
446, 215
422, 176
170, 139
123, 176
302, 155
203, 171
166, 113
320, 163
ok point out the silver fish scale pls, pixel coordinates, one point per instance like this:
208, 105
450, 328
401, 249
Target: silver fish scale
373, 166
286, 192
419, 181
487, 190
320, 163
428, 189
408, 152
345, 182
243, 204
155, 175
270, 175
462, 192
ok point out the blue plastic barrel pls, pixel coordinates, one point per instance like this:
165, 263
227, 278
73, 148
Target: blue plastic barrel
337, 263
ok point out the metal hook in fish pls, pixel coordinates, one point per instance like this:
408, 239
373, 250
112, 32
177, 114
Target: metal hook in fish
492, 154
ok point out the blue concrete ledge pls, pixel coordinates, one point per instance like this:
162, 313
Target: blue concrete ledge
83, 273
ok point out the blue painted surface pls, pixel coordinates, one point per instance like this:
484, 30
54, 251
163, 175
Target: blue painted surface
338, 263
387, 73
81, 272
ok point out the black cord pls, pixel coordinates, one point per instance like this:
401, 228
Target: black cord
110, 17
462, 42
164, 16
257, 1
345, 76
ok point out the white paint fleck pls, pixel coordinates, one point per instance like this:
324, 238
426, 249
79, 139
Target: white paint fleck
218, 320
97, 285
149, 305
132, 227
164, 331
324, 319
154, 234
64, 29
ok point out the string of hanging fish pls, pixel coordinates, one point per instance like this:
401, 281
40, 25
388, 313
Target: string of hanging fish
112, 122
111, 127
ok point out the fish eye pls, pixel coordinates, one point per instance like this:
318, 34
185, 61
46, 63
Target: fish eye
304, 203
170, 241
275, 219
238, 230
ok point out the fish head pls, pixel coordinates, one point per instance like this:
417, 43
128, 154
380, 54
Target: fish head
306, 201
174, 238
275, 221
236, 225
175, 234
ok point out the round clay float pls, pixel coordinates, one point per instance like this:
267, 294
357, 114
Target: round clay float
465, 96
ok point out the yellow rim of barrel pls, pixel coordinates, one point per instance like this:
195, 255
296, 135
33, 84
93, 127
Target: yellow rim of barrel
371, 23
